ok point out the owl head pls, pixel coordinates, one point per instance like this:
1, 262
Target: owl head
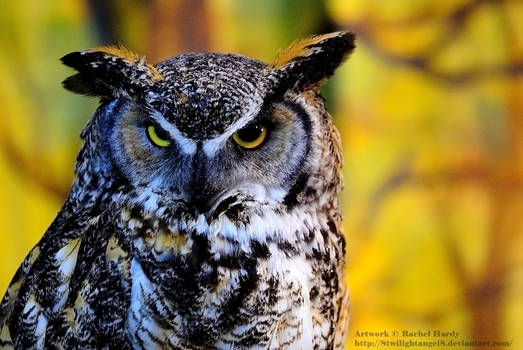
201, 129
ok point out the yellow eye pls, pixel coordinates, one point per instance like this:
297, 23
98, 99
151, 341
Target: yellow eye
251, 136
158, 138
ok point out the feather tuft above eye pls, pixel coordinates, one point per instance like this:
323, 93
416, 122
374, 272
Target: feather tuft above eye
109, 71
120, 51
308, 62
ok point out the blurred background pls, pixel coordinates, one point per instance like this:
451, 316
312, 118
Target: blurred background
430, 107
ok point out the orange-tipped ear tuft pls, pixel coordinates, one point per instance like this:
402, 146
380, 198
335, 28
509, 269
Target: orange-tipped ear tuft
308, 62
131, 56
119, 51
109, 71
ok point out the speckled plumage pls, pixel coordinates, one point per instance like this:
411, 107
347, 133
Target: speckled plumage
202, 244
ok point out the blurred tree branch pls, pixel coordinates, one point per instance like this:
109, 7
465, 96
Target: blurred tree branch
177, 26
423, 64
31, 169
452, 25
105, 16
455, 18
171, 26
482, 294
403, 175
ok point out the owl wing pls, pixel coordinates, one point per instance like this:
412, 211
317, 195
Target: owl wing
24, 288
11, 295
69, 289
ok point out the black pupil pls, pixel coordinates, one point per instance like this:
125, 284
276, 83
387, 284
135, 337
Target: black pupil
250, 133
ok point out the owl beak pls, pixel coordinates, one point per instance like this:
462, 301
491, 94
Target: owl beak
200, 192
199, 201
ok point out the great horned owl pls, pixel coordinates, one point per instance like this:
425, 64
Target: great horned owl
204, 213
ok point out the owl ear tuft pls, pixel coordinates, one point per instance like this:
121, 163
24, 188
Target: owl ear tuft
108, 72
309, 62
